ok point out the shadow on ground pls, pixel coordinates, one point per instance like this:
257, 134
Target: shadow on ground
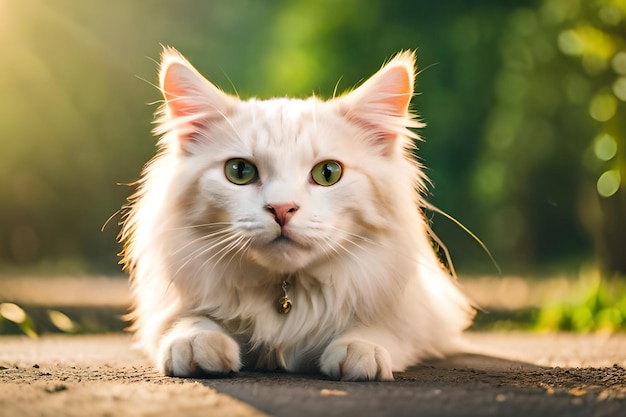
465, 385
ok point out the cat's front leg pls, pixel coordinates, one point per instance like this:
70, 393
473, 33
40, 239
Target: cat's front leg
197, 344
351, 358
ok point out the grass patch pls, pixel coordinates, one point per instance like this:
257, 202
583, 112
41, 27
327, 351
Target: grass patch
598, 305
69, 320
601, 306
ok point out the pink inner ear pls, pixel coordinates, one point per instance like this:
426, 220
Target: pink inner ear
187, 103
176, 89
381, 104
192, 103
397, 85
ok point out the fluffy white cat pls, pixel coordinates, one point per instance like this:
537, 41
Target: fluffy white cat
287, 233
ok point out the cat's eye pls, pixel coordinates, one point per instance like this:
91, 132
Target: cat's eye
326, 173
239, 171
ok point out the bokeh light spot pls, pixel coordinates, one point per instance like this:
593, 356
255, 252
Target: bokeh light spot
603, 107
571, 43
619, 63
608, 183
605, 147
619, 88
610, 14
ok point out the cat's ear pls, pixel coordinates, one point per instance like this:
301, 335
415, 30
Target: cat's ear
192, 102
381, 104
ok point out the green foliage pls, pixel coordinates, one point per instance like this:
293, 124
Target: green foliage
525, 143
601, 307
553, 146
48, 320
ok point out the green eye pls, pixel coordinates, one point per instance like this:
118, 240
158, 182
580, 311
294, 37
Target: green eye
326, 173
239, 171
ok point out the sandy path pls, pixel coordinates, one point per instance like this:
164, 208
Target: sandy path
517, 374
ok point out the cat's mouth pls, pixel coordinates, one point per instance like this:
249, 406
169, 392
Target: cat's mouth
284, 240
282, 253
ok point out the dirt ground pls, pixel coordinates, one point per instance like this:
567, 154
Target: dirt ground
515, 374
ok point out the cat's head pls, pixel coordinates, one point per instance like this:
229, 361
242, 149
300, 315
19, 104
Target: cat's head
285, 182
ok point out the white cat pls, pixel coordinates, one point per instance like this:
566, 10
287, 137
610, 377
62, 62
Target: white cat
287, 234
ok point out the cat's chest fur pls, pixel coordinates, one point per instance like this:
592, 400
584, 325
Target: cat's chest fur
324, 303
272, 337
275, 335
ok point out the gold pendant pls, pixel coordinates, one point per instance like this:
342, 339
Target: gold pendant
284, 303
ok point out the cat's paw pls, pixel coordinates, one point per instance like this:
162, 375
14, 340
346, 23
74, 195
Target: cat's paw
201, 351
357, 361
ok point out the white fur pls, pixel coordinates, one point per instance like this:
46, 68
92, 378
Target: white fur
369, 295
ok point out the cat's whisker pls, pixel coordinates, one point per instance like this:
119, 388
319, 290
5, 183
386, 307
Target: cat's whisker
224, 228
241, 247
347, 233
325, 246
227, 250
357, 236
225, 242
348, 237
199, 226
324, 249
212, 244
245, 248
334, 246
202, 250
333, 243
232, 241
207, 237
414, 256
357, 241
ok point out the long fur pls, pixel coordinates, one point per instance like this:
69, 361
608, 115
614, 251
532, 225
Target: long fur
369, 294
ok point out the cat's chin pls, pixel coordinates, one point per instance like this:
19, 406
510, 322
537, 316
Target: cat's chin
282, 255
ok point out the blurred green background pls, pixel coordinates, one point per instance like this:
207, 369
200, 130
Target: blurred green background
524, 100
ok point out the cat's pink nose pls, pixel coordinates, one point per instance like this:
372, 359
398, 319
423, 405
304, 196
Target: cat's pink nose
282, 212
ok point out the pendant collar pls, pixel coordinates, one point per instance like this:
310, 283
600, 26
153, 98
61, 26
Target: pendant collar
284, 303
